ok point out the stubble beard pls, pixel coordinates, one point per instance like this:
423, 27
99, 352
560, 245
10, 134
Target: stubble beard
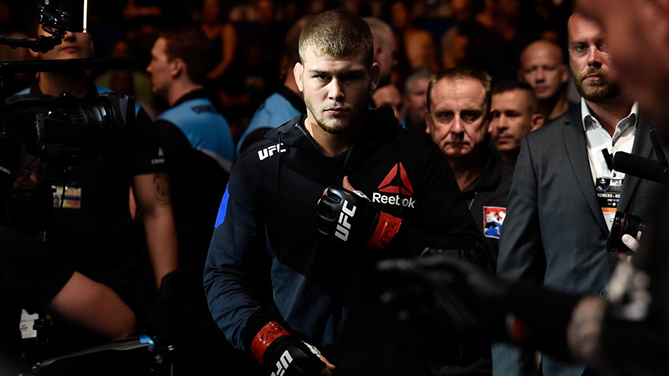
332, 126
596, 91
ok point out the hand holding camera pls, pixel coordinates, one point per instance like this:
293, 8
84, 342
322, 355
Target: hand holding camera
626, 232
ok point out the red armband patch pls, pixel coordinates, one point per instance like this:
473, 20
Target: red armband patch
385, 230
518, 329
265, 336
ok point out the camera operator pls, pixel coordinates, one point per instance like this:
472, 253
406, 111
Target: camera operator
30, 278
90, 225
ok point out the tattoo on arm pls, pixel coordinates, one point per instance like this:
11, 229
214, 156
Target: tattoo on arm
162, 188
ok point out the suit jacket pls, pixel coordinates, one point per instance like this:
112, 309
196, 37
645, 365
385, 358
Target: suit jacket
554, 233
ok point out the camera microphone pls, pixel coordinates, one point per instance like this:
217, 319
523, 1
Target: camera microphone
641, 167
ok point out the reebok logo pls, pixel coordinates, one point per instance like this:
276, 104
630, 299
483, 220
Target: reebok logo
407, 202
401, 185
282, 364
344, 226
269, 151
397, 182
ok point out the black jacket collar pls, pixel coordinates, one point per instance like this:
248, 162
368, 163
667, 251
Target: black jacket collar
294, 99
376, 130
195, 94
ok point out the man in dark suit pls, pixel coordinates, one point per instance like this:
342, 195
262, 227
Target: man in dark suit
564, 193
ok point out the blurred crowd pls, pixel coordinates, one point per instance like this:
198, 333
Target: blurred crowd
248, 38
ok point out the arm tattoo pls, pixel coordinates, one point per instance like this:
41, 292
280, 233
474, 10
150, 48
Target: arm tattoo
162, 188
584, 327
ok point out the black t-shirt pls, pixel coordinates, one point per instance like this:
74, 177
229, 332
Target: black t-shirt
30, 279
197, 184
89, 225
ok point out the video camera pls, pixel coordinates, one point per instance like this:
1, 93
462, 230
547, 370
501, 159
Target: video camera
59, 130
56, 17
63, 134
644, 168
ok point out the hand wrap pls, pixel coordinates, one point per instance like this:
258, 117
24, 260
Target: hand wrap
282, 354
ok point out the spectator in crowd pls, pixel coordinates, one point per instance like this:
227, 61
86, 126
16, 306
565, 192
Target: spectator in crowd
454, 45
254, 75
128, 81
385, 48
389, 95
515, 113
457, 121
189, 131
493, 39
544, 241
415, 99
222, 35
283, 105
417, 45
199, 151
542, 66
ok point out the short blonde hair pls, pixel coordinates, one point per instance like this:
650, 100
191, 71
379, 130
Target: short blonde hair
339, 34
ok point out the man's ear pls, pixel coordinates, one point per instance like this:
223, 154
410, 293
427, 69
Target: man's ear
375, 75
428, 121
298, 72
537, 121
177, 67
564, 74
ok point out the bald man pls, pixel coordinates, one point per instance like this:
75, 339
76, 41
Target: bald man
385, 48
542, 67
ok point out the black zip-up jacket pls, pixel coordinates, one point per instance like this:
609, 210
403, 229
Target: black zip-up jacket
268, 212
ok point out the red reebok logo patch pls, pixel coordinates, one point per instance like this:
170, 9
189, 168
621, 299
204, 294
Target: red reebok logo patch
397, 181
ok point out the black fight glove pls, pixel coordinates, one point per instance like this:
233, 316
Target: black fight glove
353, 219
281, 354
444, 293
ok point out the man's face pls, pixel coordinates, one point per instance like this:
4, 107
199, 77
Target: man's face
336, 91
511, 119
541, 66
389, 95
589, 60
637, 45
74, 46
457, 120
160, 68
415, 100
